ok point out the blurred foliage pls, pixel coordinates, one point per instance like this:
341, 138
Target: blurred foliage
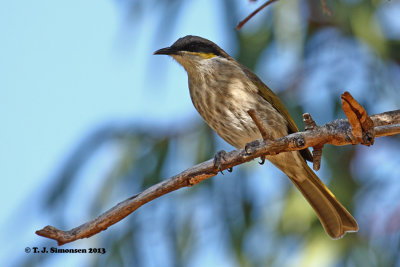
226, 221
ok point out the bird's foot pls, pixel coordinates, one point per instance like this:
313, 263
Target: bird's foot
262, 160
247, 149
218, 158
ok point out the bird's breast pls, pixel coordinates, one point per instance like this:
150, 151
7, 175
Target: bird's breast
223, 99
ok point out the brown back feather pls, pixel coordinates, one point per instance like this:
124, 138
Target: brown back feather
274, 100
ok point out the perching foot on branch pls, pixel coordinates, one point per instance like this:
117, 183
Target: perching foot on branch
249, 146
218, 158
262, 160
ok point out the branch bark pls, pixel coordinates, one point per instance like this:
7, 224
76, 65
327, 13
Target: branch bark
338, 132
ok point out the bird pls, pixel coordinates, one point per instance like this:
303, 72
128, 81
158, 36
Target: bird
223, 91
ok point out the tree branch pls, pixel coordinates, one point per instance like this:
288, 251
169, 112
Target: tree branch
265, 135
325, 9
338, 132
240, 25
317, 150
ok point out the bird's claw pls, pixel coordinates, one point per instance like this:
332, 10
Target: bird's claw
253, 144
262, 160
218, 158
249, 145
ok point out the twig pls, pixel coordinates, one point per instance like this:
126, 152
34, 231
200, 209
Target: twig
325, 9
362, 127
317, 150
387, 130
240, 25
309, 122
337, 133
265, 135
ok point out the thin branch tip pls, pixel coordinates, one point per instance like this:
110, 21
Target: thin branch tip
317, 156
325, 9
362, 126
241, 23
311, 125
53, 233
309, 122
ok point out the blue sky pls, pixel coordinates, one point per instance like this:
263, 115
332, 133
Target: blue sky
67, 68
58, 80
63, 75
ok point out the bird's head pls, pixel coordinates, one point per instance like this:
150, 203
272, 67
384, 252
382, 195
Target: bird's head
191, 51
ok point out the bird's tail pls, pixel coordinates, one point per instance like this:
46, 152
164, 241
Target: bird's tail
334, 217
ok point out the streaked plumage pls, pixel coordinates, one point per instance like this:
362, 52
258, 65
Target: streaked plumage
222, 90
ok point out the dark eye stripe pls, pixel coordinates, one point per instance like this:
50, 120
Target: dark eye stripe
200, 47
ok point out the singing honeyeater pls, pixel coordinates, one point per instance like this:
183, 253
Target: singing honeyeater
223, 91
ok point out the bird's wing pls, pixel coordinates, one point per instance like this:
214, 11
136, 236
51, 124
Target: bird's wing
274, 100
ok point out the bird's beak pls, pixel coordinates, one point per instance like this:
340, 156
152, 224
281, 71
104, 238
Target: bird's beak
166, 51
